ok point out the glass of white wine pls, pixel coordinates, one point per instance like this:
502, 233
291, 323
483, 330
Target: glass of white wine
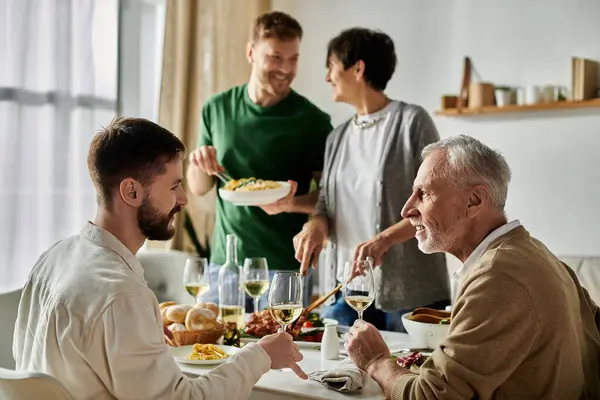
359, 287
285, 297
256, 278
196, 278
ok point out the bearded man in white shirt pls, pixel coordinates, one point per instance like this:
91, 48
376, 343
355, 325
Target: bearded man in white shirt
87, 316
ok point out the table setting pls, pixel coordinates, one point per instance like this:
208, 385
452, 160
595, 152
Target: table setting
279, 383
331, 373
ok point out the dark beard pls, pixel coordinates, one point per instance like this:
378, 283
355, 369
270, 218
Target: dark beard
154, 224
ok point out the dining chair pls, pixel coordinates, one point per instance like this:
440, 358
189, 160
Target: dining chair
9, 306
21, 385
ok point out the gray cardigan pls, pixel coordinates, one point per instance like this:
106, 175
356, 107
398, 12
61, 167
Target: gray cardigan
408, 278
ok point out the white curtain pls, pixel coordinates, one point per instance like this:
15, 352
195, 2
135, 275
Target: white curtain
57, 88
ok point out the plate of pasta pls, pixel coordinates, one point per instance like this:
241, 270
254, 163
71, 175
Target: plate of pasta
253, 191
203, 354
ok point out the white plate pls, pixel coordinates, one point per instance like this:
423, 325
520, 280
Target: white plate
257, 197
180, 354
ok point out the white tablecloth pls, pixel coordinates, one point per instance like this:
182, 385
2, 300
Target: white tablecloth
277, 384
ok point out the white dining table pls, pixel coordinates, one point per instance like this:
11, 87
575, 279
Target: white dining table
280, 384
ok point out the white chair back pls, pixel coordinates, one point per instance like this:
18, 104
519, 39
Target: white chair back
9, 305
23, 385
163, 269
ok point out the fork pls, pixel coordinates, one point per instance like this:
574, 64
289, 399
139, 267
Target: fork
223, 177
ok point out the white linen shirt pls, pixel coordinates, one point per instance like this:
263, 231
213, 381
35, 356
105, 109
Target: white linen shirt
88, 318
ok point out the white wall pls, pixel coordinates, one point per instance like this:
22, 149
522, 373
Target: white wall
555, 190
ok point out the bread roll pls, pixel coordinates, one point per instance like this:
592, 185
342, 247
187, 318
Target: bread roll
176, 326
177, 313
213, 307
198, 319
163, 314
166, 304
431, 311
208, 305
429, 319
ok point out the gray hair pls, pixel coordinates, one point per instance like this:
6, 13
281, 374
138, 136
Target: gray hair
471, 162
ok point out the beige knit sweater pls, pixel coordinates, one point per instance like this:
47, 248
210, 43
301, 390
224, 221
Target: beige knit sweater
522, 328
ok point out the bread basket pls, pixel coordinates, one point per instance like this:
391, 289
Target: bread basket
207, 336
191, 325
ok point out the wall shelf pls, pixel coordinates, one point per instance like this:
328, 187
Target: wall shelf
561, 105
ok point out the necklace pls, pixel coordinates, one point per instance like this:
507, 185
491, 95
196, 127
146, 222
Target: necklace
366, 123
379, 115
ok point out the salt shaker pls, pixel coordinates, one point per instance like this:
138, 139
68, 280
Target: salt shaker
330, 344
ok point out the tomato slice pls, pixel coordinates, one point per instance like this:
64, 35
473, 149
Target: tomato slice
308, 324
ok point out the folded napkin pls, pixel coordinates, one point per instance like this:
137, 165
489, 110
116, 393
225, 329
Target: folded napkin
346, 378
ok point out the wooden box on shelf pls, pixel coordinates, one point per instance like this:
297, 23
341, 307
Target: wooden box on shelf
481, 95
449, 102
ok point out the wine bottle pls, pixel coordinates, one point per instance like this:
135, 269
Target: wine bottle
231, 290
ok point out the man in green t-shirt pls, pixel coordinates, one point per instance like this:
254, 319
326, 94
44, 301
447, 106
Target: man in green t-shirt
262, 129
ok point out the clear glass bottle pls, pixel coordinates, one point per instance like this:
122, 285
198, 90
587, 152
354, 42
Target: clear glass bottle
231, 290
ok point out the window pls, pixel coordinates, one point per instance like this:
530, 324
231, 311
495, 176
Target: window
58, 86
67, 67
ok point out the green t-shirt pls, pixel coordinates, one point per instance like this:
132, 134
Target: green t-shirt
282, 142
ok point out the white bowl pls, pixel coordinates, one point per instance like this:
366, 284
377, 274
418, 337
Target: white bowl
425, 334
257, 197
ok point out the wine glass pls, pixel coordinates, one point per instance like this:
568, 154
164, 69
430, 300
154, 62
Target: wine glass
196, 277
285, 297
256, 278
359, 287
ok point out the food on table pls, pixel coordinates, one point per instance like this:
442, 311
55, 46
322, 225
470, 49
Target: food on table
176, 326
211, 306
177, 313
412, 362
181, 317
262, 323
166, 304
199, 319
163, 314
430, 316
207, 352
250, 185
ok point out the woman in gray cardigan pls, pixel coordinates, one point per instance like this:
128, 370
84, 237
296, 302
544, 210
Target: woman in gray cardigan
371, 161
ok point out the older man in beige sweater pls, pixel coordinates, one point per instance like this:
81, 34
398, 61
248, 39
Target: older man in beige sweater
522, 326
